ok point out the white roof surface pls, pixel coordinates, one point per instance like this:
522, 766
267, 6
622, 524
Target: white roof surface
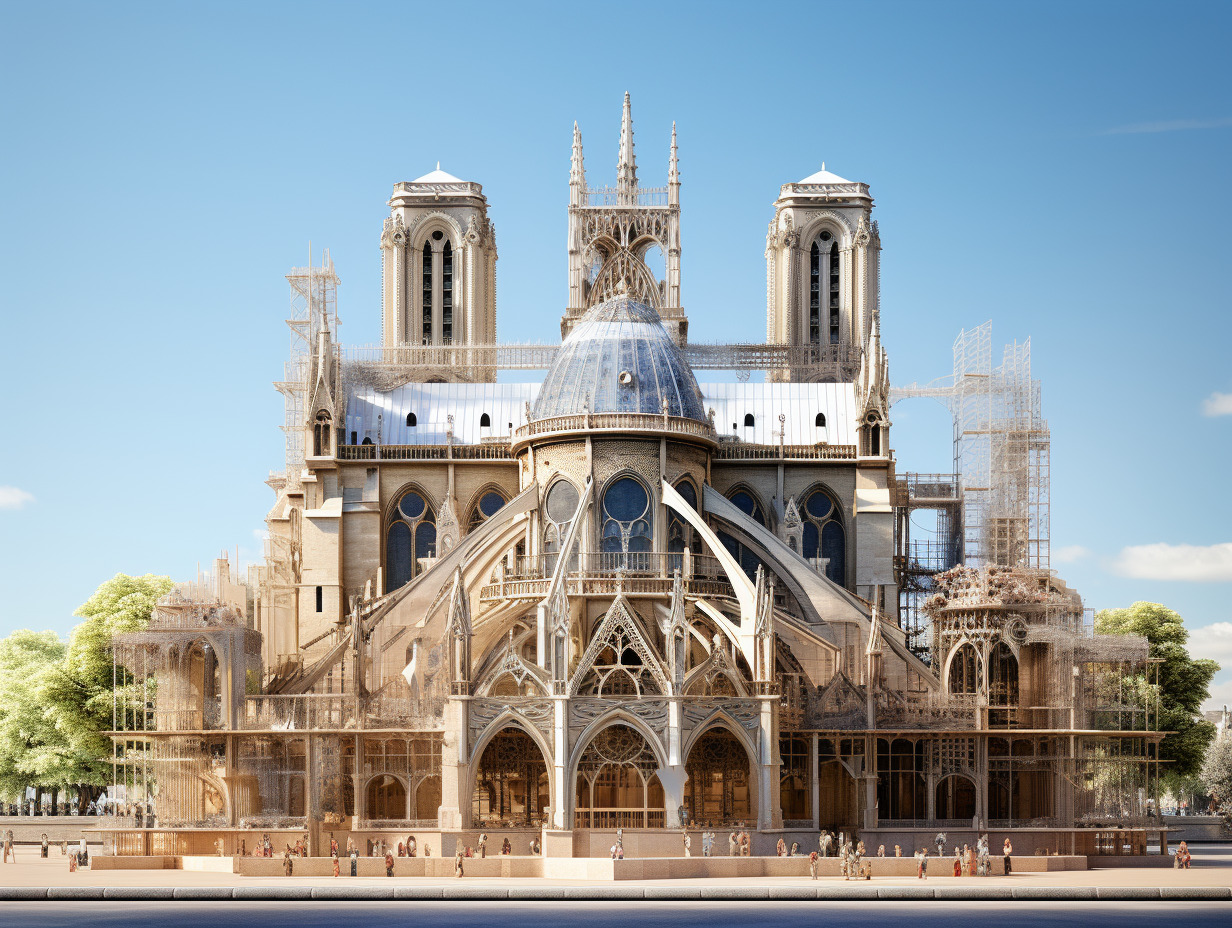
825, 177
799, 402
505, 405
438, 177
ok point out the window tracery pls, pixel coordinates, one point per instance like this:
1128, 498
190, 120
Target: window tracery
717, 788
488, 505
559, 506
823, 535
627, 529
410, 536
616, 785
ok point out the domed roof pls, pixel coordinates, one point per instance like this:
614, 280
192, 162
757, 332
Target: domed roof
619, 358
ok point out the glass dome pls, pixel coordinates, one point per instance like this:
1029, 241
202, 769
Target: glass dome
619, 358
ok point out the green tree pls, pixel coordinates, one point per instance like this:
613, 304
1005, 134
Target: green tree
30, 744
1217, 770
79, 696
1183, 683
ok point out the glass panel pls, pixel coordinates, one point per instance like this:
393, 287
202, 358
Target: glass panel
625, 500
412, 505
819, 505
812, 540
746, 504
399, 567
685, 489
491, 503
562, 501
425, 540
833, 547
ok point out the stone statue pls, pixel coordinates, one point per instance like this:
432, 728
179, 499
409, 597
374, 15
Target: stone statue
688, 845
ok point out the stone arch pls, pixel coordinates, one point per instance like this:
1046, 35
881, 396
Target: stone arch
957, 797
436, 221
617, 716
733, 800
427, 799
976, 685
505, 802
649, 808
473, 505
823, 220
385, 792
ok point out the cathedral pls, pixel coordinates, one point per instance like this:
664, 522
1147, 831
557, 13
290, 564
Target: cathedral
623, 596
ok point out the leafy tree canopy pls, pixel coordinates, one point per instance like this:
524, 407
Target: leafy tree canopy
1184, 683
79, 696
31, 747
1217, 770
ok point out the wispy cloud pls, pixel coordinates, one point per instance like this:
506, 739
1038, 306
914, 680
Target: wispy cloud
1217, 404
14, 498
1169, 125
1213, 641
1194, 563
1070, 554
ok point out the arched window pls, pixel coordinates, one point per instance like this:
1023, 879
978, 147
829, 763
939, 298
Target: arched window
427, 293
411, 535
616, 783
511, 784
411, 421
627, 530
447, 295
820, 421
680, 532
823, 535
386, 798
872, 431
824, 289
559, 506
964, 671
489, 504
748, 420
748, 504
485, 421
717, 789
320, 435
955, 799
1002, 685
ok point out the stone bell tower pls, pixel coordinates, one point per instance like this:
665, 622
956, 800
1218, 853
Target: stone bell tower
618, 235
822, 275
438, 251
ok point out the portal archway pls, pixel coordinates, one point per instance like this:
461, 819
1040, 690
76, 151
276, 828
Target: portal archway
386, 798
616, 785
719, 785
511, 782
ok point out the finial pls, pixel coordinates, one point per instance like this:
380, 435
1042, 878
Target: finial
823, 165
626, 166
438, 165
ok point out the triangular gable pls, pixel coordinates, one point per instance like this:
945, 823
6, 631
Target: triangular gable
619, 619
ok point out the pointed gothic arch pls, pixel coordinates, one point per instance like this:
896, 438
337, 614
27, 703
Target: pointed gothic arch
512, 775
720, 766
620, 659
615, 776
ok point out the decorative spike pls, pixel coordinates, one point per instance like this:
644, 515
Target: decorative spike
577, 170
673, 172
626, 166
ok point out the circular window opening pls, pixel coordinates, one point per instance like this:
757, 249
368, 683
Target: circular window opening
437, 235
825, 236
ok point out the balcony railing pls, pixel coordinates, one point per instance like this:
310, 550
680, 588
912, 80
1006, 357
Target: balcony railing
488, 451
617, 196
742, 451
615, 422
608, 564
618, 818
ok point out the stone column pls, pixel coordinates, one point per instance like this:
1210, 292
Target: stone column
672, 779
455, 769
815, 782
560, 760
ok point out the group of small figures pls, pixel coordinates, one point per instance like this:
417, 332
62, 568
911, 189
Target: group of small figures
480, 850
967, 860
850, 852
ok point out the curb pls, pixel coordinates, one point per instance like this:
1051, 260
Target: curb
860, 892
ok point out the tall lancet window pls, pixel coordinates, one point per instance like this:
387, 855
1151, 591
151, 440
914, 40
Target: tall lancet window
815, 294
833, 288
447, 295
427, 293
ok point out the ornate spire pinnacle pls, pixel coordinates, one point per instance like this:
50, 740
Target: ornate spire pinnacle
577, 169
626, 167
673, 172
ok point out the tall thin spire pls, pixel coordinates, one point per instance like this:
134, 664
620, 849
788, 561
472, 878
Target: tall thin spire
626, 167
673, 173
577, 169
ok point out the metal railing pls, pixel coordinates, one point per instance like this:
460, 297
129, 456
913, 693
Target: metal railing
609, 564
619, 196
619, 818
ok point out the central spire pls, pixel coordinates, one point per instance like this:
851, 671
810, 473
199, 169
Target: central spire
626, 167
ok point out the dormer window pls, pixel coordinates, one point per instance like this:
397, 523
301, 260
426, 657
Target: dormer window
411, 421
748, 420
820, 422
485, 421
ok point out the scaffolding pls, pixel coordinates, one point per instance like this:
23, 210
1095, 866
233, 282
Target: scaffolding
1001, 450
314, 309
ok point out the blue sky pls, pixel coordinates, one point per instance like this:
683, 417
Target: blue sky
1058, 168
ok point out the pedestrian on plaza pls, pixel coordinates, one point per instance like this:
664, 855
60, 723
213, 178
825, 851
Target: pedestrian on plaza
688, 844
881, 850
483, 845
813, 864
8, 847
354, 859
940, 842
795, 849
957, 861
335, 860
287, 866
389, 864
457, 864
43, 849
898, 850
781, 848
733, 847
1183, 857
83, 856
1007, 849
506, 848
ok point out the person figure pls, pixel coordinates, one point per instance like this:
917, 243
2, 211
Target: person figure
921, 864
781, 848
457, 864
620, 842
72, 863
334, 857
483, 845
287, 866
8, 847
269, 846
824, 843
1007, 849
354, 855
84, 857
534, 846
940, 842
43, 850
688, 845
795, 849
389, 863
957, 861
410, 847
898, 850
333, 845
969, 855
1183, 857
506, 848
813, 864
